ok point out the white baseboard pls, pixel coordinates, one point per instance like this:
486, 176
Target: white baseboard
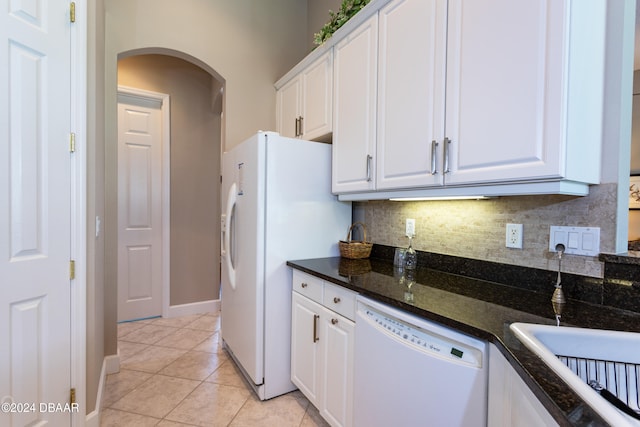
110, 365
211, 306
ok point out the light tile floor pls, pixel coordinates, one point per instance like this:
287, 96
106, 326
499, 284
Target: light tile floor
174, 372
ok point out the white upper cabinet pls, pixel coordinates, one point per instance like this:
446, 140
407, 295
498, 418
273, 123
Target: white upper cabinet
456, 97
354, 109
411, 90
317, 98
470, 97
288, 108
522, 78
304, 103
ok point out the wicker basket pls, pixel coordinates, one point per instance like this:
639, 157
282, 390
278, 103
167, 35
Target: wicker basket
355, 250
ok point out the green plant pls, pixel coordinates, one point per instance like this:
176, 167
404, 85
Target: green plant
348, 8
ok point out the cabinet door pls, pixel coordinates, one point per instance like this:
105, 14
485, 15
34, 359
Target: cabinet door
305, 347
511, 402
288, 108
505, 89
411, 72
337, 369
317, 99
354, 115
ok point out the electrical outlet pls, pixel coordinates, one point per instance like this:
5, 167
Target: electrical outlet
410, 228
514, 236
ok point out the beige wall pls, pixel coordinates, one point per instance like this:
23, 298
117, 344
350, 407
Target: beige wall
318, 15
249, 44
97, 319
195, 170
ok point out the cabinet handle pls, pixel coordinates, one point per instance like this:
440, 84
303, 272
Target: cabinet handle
434, 148
336, 300
301, 126
304, 285
369, 158
447, 141
334, 321
316, 317
297, 129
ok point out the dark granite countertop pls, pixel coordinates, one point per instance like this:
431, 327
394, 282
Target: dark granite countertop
483, 309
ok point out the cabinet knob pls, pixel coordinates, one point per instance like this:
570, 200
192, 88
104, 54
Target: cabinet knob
304, 285
334, 321
336, 300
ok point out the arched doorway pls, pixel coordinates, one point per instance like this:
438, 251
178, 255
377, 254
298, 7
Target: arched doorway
197, 101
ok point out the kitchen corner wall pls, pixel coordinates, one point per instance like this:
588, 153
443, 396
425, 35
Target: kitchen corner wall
476, 228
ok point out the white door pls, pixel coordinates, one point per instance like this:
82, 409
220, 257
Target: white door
337, 368
317, 98
505, 94
355, 78
305, 347
411, 83
139, 207
289, 108
243, 293
35, 210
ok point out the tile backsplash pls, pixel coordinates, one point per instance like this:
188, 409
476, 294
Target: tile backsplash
476, 228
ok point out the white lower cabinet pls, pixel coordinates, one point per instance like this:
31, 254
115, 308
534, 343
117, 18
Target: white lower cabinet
511, 402
322, 346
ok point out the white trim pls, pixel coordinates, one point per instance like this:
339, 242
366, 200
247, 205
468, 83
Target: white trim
110, 365
79, 210
165, 111
93, 418
211, 306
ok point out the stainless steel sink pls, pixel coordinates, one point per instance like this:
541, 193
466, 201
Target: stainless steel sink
580, 356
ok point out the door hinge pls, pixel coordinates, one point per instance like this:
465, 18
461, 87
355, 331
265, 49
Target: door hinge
72, 142
72, 269
72, 12
72, 396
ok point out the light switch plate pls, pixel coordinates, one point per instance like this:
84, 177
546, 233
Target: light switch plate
576, 240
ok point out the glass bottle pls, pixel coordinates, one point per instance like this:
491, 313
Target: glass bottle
410, 257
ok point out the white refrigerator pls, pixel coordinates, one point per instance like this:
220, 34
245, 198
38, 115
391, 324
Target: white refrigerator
277, 206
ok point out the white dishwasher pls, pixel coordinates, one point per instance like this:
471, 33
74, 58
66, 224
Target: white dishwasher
411, 372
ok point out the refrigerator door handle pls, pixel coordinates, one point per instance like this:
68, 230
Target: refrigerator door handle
230, 223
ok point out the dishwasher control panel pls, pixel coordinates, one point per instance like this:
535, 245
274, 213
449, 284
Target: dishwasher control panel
423, 339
